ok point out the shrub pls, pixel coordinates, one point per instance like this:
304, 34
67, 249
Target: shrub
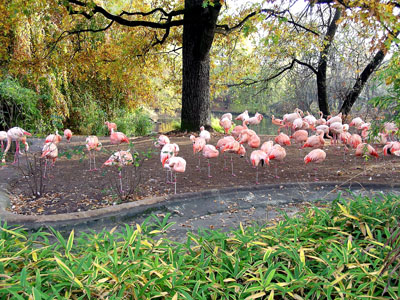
136, 123
215, 125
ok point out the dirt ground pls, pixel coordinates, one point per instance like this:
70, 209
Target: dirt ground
71, 187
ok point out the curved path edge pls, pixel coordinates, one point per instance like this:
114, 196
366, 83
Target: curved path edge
128, 210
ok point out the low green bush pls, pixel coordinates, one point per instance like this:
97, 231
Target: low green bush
136, 123
345, 252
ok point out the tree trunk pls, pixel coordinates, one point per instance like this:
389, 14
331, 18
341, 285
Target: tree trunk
360, 82
323, 64
198, 35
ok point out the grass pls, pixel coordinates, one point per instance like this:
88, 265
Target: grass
335, 253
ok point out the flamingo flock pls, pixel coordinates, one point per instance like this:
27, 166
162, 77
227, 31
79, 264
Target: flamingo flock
305, 130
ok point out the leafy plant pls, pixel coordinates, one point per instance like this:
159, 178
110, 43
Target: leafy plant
344, 252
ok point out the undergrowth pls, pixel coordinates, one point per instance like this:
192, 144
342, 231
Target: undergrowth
338, 253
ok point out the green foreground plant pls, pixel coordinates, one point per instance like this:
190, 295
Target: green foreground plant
338, 253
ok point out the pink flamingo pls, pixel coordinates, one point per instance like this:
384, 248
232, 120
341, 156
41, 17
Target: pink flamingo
390, 128
256, 120
300, 136
161, 141
227, 115
336, 128
310, 119
256, 157
357, 122
316, 156
278, 122
237, 130
278, 153
3, 137
267, 147
226, 123
68, 135
244, 116
176, 164
14, 134
209, 151
315, 140
325, 129
392, 148
110, 126
117, 138
50, 152
355, 140
345, 139
234, 147
321, 120
221, 145
198, 145
168, 151
121, 159
334, 119
282, 139
53, 138
205, 134
365, 148
92, 144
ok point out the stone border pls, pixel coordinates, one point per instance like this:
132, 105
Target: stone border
124, 211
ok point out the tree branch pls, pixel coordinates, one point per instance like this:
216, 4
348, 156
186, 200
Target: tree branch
305, 64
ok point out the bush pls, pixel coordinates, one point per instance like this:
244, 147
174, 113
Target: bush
136, 123
347, 252
215, 125
19, 106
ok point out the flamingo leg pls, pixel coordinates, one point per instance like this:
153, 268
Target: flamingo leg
257, 175
198, 166
315, 174
233, 174
90, 160
94, 161
45, 168
224, 161
120, 180
209, 176
174, 181
2, 147
16, 152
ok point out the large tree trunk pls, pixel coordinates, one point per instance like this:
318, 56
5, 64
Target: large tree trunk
352, 96
198, 35
323, 64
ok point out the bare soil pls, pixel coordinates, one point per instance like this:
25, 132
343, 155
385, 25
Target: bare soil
71, 187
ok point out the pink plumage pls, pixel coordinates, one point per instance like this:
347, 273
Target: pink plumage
366, 149
282, 139
117, 138
316, 156
68, 135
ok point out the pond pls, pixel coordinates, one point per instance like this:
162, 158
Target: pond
168, 124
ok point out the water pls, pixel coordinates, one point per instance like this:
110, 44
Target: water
265, 127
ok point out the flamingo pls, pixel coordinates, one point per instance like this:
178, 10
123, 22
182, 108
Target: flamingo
244, 116
336, 128
209, 151
325, 129
226, 123
334, 119
205, 134
176, 164
277, 122
317, 156
3, 137
256, 120
345, 139
221, 145
365, 148
300, 136
357, 122
256, 157
355, 140
392, 148
198, 145
117, 138
49, 151
278, 153
68, 135
110, 126
227, 115
92, 144
289, 118
167, 152
237, 130
315, 140
161, 141
53, 138
233, 147
121, 159
310, 119
14, 134
282, 139
267, 147
391, 129
321, 120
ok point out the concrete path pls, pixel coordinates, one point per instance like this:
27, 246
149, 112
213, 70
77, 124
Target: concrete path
214, 209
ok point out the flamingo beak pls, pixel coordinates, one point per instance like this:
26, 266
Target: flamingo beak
45, 153
27, 133
164, 160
